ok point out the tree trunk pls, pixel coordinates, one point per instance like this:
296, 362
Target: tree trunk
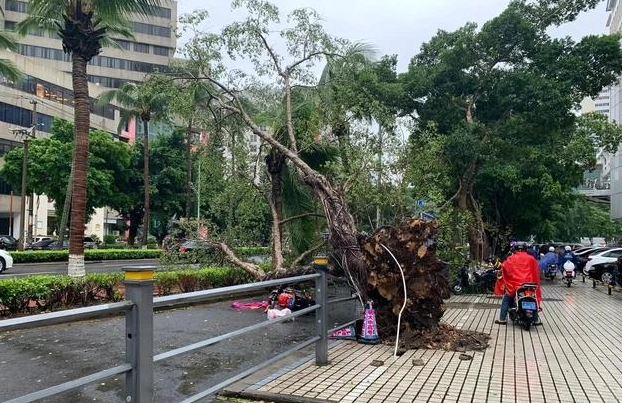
467, 203
134, 219
82, 118
66, 207
342, 231
147, 215
275, 161
188, 169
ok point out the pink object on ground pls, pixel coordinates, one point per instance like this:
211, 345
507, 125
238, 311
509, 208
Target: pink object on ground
249, 305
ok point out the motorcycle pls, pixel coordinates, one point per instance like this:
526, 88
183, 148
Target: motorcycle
479, 281
551, 271
290, 298
568, 272
525, 305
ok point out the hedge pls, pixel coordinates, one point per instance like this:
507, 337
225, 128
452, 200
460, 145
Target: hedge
113, 254
36, 294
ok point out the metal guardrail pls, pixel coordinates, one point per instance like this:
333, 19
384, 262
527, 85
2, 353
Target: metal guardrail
138, 308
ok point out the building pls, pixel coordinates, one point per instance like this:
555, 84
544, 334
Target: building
614, 22
47, 86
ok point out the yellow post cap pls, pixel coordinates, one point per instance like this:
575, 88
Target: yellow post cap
138, 273
320, 260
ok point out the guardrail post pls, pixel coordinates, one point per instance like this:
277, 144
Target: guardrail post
320, 264
593, 283
139, 334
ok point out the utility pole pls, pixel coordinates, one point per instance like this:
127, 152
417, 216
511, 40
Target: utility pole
33, 135
22, 212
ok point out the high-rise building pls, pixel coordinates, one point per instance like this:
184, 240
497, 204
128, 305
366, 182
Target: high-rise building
614, 22
47, 86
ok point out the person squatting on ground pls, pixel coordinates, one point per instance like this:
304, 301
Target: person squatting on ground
568, 256
519, 268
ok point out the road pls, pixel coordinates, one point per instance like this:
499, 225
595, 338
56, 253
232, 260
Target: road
34, 359
103, 266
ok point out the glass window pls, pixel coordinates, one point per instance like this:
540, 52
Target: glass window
161, 50
141, 47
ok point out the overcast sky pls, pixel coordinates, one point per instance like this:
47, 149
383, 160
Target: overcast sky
396, 26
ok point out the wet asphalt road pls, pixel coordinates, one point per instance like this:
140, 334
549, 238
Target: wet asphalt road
34, 359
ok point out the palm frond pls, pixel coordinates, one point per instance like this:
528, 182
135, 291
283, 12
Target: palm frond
9, 70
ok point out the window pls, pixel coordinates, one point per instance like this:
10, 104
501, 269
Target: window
154, 30
161, 50
141, 47
123, 43
102, 61
17, 6
162, 12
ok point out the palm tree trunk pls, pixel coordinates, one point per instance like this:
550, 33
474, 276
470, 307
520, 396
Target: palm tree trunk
66, 208
147, 215
80, 162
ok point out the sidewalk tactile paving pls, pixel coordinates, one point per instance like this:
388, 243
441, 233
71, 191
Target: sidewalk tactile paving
573, 358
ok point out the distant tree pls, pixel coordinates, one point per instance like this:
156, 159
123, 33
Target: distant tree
49, 166
502, 98
141, 102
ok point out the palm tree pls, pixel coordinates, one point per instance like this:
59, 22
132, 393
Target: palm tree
7, 68
84, 27
142, 102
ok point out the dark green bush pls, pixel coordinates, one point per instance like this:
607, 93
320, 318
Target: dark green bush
37, 294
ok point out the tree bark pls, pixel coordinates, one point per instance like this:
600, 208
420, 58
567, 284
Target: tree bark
275, 161
82, 110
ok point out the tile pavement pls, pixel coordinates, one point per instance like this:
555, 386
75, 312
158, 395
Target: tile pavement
574, 357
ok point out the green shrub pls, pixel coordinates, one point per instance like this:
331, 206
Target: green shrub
110, 240
89, 254
35, 294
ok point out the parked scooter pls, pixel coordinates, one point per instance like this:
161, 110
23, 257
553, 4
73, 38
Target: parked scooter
525, 305
551, 271
478, 281
568, 271
290, 298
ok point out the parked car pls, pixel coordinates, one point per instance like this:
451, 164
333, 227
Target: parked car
6, 260
584, 255
602, 271
56, 245
43, 245
90, 243
192, 245
7, 242
609, 255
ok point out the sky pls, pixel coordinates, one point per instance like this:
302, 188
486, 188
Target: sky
396, 26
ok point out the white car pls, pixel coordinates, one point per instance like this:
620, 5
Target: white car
604, 256
6, 260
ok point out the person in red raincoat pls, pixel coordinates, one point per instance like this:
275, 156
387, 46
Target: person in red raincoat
520, 267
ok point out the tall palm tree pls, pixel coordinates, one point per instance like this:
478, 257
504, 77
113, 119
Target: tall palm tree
84, 27
142, 102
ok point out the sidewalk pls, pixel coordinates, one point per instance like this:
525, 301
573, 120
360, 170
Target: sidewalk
574, 357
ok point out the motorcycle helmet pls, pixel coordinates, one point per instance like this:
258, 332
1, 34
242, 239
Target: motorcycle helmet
519, 245
551, 249
567, 248
284, 300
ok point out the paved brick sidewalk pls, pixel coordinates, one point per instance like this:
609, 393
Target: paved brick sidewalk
573, 357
